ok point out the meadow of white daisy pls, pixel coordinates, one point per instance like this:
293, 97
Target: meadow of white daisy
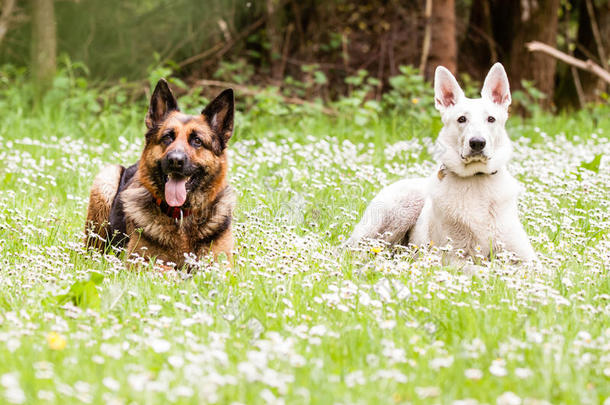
298, 319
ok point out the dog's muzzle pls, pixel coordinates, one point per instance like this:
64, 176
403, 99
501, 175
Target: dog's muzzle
177, 169
476, 151
175, 161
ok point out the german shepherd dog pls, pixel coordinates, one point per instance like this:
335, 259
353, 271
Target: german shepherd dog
175, 201
471, 199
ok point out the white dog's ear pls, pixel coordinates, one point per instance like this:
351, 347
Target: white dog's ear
495, 87
447, 91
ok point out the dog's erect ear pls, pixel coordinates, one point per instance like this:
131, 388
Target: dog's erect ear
162, 103
219, 114
447, 91
495, 87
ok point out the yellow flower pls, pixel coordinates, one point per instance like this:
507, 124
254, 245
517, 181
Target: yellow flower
375, 250
56, 341
415, 100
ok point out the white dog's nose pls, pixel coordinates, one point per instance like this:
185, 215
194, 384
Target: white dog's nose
477, 143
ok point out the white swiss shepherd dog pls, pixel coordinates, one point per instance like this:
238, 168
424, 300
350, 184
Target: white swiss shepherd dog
470, 201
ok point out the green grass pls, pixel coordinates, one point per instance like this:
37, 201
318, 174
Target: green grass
298, 319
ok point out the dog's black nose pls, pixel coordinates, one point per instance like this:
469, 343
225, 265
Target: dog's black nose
176, 160
477, 144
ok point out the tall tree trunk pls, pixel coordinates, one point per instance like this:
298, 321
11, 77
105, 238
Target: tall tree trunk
477, 48
586, 46
537, 21
443, 44
44, 42
8, 7
274, 36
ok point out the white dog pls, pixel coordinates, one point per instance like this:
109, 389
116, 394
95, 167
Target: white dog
471, 200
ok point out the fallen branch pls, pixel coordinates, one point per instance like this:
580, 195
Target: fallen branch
201, 55
587, 65
222, 47
218, 50
253, 92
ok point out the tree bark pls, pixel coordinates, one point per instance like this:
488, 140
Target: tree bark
443, 44
538, 21
586, 47
8, 7
274, 36
44, 42
478, 47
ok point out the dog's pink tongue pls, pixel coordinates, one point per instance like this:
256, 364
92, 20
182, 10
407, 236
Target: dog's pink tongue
175, 192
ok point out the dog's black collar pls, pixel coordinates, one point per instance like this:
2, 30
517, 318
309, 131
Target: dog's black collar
442, 172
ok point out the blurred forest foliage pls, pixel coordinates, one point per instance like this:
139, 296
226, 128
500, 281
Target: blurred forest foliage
312, 48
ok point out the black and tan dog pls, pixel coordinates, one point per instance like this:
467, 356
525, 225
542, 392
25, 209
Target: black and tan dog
175, 200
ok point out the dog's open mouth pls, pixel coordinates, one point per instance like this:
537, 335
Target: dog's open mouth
175, 190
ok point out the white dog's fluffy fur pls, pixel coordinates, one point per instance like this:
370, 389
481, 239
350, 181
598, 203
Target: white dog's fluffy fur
471, 200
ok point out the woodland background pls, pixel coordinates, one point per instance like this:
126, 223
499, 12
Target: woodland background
311, 48
331, 108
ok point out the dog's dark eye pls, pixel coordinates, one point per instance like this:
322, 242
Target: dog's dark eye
491, 119
196, 142
462, 119
168, 138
